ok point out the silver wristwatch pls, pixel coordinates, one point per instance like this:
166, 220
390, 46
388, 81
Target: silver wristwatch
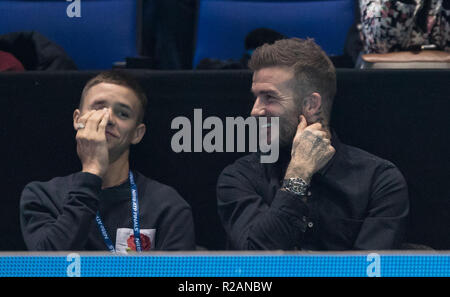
295, 185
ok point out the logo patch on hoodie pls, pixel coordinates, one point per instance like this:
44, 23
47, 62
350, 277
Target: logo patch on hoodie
125, 240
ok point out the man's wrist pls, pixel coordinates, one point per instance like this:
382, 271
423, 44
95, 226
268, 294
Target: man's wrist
303, 174
94, 171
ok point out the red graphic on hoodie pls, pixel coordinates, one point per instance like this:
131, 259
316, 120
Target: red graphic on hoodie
145, 243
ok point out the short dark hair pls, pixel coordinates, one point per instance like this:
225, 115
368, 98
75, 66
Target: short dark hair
313, 70
121, 78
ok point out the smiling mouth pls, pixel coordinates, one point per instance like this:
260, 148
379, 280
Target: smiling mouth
265, 122
110, 134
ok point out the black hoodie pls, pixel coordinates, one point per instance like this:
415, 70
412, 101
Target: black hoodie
60, 215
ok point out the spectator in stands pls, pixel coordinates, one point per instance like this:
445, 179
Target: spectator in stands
9, 63
36, 52
106, 202
257, 38
253, 39
321, 194
168, 32
389, 26
353, 42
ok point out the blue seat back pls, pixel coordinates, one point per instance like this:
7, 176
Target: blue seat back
105, 33
223, 24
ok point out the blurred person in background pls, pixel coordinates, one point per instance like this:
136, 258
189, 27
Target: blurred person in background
390, 26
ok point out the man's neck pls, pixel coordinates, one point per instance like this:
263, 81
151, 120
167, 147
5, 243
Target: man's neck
117, 172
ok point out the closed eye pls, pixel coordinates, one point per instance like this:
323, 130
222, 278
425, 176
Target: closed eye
269, 98
97, 106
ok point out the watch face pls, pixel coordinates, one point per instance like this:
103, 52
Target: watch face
296, 185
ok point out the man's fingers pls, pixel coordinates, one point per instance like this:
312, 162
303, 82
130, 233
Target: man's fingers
94, 120
302, 125
315, 127
321, 134
83, 119
103, 122
327, 141
331, 151
315, 134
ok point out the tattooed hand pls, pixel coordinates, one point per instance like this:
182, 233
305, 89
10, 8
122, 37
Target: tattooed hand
311, 150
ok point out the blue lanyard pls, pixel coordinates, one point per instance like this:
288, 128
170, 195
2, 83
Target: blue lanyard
135, 215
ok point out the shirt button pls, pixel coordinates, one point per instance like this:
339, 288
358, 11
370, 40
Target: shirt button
310, 224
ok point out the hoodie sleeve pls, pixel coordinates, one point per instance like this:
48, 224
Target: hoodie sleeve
54, 218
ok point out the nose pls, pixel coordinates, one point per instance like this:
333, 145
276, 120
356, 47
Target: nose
259, 108
111, 118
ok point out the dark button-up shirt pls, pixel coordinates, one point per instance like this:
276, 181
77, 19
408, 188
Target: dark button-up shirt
357, 201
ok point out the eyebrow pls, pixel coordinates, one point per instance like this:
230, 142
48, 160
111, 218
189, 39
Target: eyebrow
265, 92
123, 105
103, 101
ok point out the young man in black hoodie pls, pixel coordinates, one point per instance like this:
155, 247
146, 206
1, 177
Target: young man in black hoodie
106, 206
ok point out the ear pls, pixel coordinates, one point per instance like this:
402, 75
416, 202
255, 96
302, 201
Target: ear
138, 133
76, 116
312, 107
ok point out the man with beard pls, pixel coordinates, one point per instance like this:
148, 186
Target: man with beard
321, 194
106, 206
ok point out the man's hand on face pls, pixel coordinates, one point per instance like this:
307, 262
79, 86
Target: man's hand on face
92, 147
311, 150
